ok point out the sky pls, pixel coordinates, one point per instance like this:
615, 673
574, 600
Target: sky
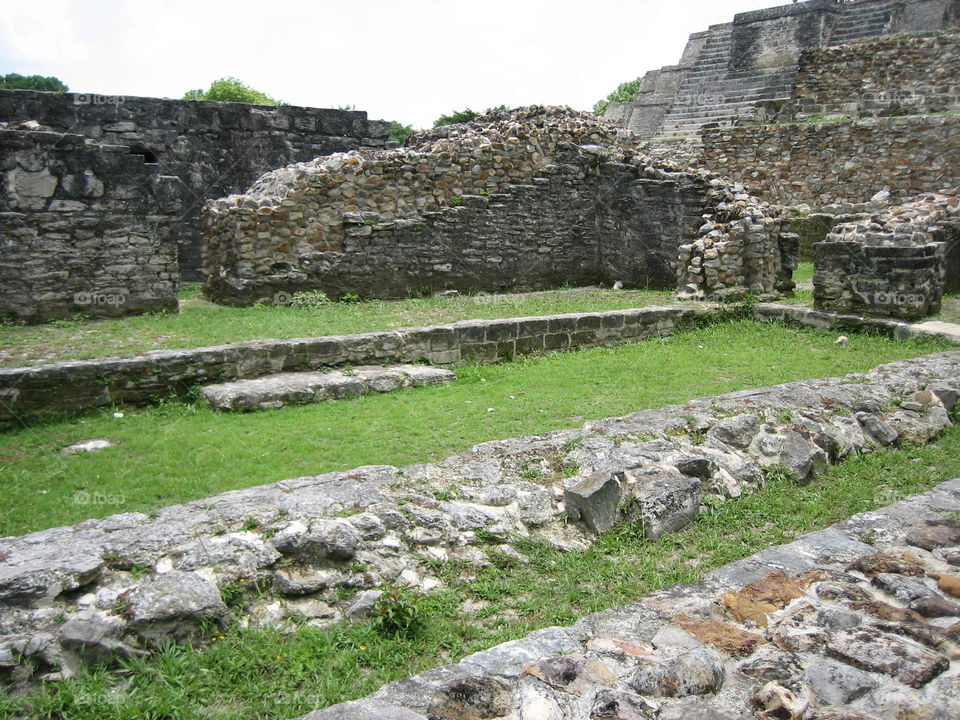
405, 60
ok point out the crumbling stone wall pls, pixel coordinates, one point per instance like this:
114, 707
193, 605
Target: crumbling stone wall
524, 199
826, 162
890, 262
898, 75
84, 229
215, 148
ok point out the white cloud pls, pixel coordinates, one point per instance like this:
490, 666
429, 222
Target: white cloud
410, 60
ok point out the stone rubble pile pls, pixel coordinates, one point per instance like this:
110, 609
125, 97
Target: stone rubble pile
315, 547
911, 223
737, 248
860, 621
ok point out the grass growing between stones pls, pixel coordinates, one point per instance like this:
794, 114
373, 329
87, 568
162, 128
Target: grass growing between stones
271, 674
202, 323
179, 452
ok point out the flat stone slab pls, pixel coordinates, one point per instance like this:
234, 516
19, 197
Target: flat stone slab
276, 391
949, 331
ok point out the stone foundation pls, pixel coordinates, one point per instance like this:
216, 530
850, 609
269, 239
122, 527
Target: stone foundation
86, 229
69, 593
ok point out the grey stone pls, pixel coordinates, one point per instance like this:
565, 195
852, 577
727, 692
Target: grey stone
935, 533
184, 599
621, 705
877, 428
95, 635
904, 589
768, 663
698, 672
870, 649
594, 501
363, 605
834, 683
737, 431
319, 540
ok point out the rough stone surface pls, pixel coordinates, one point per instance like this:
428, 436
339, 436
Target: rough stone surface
320, 542
276, 391
213, 148
621, 663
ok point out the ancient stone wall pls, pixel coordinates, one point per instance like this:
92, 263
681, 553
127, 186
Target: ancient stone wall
735, 73
899, 75
76, 386
524, 199
826, 162
85, 229
215, 148
70, 594
891, 262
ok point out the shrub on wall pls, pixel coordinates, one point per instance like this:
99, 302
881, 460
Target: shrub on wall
625, 92
230, 89
15, 81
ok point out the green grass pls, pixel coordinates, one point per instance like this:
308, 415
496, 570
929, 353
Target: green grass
804, 272
272, 674
178, 452
202, 323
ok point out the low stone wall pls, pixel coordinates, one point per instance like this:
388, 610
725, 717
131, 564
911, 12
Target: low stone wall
120, 585
822, 163
214, 148
76, 386
816, 629
85, 228
887, 262
898, 75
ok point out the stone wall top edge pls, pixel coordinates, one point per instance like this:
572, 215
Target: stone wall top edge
213, 104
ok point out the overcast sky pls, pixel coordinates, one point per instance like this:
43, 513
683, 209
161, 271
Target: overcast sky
407, 60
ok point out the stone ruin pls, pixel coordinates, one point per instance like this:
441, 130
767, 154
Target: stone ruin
893, 261
517, 200
101, 194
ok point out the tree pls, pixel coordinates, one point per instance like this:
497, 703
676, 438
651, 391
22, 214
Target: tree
230, 89
625, 92
466, 115
400, 132
15, 81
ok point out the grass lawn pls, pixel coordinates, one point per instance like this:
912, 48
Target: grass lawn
202, 323
272, 674
179, 452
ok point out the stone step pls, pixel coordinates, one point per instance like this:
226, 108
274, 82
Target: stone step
271, 392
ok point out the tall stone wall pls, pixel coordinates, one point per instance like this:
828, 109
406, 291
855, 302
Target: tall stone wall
733, 73
519, 200
84, 228
899, 75
826, 162
215, 148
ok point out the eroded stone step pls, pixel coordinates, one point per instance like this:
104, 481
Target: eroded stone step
275, 391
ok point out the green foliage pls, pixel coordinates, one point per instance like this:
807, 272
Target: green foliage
309, 298
465, 115
400, 132
15, 81
230, 89
625, 92
398, 612
457, 116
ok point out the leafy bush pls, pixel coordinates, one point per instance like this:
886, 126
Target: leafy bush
398, 611
625, 92
230, 89
400, 132
309, 298
458, 116
15, 81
